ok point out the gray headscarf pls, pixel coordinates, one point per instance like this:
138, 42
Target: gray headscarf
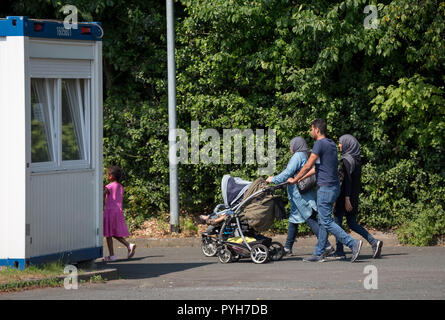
350, 150
298, 144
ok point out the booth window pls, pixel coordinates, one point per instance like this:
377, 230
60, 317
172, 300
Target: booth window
60, 123
42, 111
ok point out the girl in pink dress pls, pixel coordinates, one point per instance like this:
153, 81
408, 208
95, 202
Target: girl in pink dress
114, 221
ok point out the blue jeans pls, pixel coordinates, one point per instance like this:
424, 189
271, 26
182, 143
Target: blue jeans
326, 197
354, 226
293, 230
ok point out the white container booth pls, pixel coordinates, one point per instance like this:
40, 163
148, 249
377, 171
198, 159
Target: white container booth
50, 142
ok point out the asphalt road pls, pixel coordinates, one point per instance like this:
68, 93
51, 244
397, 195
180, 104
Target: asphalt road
185, 273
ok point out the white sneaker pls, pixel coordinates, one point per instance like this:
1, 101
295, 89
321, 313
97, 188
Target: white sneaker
131, 250
110, 258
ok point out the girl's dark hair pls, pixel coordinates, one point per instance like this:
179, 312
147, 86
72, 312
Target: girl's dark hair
116, 172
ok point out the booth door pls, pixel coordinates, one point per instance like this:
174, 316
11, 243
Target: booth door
63, 180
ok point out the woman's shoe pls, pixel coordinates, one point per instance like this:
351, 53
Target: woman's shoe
328, 251
288, 252
377, 249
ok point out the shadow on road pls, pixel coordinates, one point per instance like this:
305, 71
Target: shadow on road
102, 264
361, 258
151, 270
382, 256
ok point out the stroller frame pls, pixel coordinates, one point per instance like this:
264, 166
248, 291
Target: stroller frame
224, 246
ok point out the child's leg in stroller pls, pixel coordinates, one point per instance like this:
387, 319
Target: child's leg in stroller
313, 224
291, 234
210, 229
212, 218
218, 220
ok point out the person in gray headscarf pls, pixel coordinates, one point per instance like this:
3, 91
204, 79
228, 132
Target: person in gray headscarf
303, 206
347, 203
298, 144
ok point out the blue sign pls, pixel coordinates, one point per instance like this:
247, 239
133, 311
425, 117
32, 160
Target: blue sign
22, 26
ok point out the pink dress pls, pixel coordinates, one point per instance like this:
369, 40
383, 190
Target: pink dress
114, 221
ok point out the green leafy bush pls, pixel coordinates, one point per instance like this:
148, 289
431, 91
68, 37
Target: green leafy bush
405, 198
276, 65
425, 227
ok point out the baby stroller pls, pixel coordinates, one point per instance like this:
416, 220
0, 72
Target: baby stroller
248, 208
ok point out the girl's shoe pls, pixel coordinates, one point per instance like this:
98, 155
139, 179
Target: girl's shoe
131, 250
110, 258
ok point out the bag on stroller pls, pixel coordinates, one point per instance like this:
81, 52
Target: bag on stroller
264, 209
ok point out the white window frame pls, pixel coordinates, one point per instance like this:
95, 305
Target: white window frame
56, 128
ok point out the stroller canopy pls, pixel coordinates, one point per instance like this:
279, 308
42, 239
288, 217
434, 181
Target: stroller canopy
233, 189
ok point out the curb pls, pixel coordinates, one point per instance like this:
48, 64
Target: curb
389, 239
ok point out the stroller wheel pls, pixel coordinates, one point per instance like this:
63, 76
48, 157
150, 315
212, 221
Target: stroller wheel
276, 251
259, 253
208, 247
225, 255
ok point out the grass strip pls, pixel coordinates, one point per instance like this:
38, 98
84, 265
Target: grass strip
41, 276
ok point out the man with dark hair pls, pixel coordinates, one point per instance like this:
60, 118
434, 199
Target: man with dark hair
324, 157
321, 125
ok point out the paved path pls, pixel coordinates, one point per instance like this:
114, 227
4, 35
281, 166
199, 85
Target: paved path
184, 273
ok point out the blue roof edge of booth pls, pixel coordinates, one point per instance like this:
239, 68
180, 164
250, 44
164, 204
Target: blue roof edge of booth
65, 257
50, 29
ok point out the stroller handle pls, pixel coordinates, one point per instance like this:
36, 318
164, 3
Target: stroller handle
277, 186
272, 188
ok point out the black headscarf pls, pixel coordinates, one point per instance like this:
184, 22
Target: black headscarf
350, 150
298, 144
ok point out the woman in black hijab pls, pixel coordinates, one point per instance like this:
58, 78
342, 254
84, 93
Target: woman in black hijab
347, 203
